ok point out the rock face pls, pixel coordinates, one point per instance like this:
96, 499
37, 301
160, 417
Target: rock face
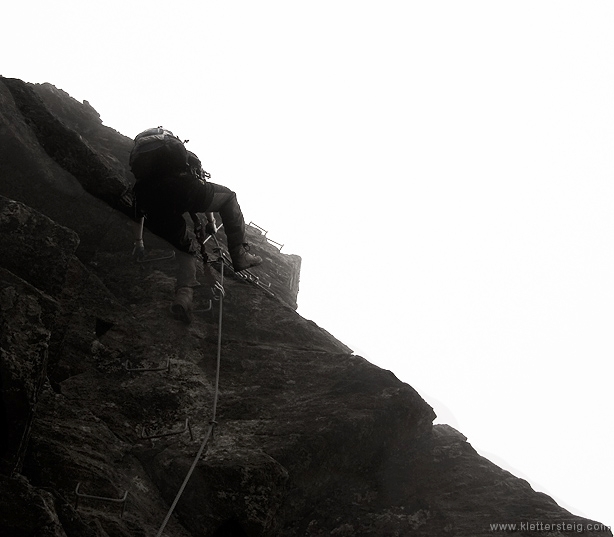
308, 440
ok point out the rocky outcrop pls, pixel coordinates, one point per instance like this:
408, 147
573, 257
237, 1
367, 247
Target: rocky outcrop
104, 391
94, 171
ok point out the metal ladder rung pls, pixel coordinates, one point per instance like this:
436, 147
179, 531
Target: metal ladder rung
186, 427
79, 495
166, 368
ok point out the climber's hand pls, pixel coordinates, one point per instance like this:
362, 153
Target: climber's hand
138, 252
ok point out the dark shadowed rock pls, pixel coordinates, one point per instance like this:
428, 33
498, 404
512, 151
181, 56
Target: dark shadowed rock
36, 254
26, 320
309, 440
37, 249
26, 510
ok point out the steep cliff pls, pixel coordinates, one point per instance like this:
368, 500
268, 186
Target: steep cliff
309, 439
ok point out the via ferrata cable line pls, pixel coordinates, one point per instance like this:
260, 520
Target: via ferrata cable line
212, 422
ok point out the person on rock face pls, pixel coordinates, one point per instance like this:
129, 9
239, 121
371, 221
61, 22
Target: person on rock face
163, 194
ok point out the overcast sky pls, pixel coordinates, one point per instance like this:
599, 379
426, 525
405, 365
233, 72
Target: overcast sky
443, 168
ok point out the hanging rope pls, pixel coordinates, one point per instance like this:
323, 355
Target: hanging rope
212, 422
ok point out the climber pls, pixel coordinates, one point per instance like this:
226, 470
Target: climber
168, 188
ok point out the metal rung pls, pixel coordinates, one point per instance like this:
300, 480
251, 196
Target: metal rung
267, 291
208, 308
247, 276
100, 498
187, 427
276, 243
160, 258
255, 279
258, 281
167, 367
264, 232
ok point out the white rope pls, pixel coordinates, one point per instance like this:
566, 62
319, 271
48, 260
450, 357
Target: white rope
212, 423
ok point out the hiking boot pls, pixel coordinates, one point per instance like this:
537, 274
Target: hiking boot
182, 305
242, 259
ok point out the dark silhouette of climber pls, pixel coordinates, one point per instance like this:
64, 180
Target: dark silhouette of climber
169, 185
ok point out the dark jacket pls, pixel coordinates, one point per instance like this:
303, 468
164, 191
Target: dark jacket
164, 197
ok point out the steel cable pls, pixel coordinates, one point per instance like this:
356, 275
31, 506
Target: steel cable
212, 422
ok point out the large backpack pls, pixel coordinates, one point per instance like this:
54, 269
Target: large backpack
196, 169
157, 152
